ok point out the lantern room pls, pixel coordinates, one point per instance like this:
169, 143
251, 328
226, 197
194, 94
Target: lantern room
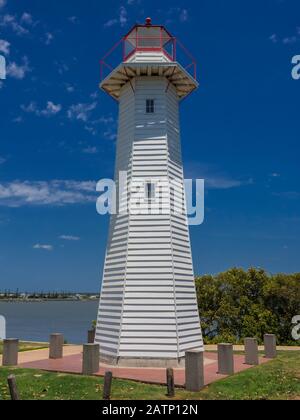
152, 40
148, 51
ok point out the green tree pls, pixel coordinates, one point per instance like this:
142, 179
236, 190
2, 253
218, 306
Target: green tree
238, 304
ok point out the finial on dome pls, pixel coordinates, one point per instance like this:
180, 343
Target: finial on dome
148, 21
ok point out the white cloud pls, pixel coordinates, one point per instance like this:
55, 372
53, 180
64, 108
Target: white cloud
109, 135
47, 193
43, 247
31, 107
2, 3
4, 47
61, 67
18, 120
122, 19
49, 38
290, 40
81, 111
50, 110
70, 88
18, 71
287, 40
73, 19
177, 14
273, 38
90, 150
10, 21
69, 238
27, 18
91, 127
2, 160
214, 178
184, 15
290, 195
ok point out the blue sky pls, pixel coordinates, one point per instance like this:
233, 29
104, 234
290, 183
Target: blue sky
240, 131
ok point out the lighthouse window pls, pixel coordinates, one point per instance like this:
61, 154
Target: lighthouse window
150, 191
150, 106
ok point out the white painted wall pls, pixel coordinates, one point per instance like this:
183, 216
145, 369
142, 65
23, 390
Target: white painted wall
148, 306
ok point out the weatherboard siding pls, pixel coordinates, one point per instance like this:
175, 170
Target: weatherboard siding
148, 305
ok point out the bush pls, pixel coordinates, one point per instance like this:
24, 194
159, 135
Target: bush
238, 304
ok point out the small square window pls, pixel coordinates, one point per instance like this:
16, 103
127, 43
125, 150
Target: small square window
150, 191
150, 106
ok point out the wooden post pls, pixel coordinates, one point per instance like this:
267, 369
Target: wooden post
107, 386
91, 336
13, 389
170, 383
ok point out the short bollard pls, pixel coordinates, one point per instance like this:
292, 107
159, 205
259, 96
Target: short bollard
194, 370
13, 389
251, 352
91, 336
225, 359
91, 359
107, 386
56, 346
170, 383
270, 346
10, 352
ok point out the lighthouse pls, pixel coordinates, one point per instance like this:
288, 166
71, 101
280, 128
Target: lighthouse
148, 313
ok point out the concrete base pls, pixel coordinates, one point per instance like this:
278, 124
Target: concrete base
146, 363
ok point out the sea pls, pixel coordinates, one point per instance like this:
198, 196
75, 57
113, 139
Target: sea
35, 321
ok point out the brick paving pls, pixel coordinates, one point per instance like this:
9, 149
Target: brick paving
72, 363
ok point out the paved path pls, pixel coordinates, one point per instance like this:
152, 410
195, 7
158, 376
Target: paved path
72, 363
213, 347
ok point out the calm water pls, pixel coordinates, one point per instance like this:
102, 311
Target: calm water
35, 321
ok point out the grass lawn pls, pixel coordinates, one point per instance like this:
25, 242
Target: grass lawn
279, 379
26, 346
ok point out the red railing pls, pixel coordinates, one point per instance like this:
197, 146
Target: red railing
131, 44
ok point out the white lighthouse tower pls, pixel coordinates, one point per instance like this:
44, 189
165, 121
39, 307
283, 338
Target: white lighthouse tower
148, 314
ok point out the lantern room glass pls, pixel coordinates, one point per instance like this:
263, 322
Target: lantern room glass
149, 38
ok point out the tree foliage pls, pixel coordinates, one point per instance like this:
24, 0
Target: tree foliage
238, 304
